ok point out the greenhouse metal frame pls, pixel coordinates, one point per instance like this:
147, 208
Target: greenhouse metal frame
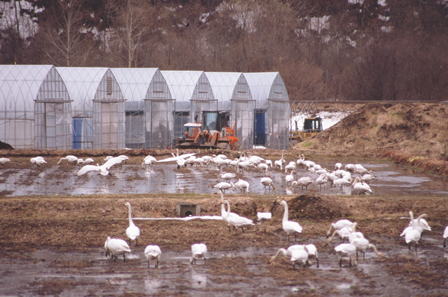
149, 107
43, 106
272, 109
35, 111
97, 109
233, 94
192, 93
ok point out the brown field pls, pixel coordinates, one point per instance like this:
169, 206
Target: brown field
54, 245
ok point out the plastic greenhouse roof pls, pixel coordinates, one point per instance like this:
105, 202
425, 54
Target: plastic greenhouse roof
223, 84
134, 82
20, 84
260, 84
82, 84
182, 83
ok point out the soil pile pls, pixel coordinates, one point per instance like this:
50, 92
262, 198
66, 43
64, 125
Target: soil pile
311, 207
413, 128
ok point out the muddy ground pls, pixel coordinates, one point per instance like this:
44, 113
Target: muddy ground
54, 245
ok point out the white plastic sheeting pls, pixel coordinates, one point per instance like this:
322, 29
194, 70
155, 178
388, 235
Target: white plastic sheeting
233, 93
98, 107
192, 93
34, 107
159, 103
146, 93
272, 105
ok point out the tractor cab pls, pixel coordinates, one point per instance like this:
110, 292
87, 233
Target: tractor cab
312, 125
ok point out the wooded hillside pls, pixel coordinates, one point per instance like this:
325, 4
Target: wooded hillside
324, 49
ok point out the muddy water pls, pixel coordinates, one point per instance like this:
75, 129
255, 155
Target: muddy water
166, 178
49, 272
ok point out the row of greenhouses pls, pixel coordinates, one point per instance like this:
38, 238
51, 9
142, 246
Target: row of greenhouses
48, 107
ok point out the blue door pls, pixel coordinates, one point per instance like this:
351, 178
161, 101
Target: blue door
77, 133
260, 129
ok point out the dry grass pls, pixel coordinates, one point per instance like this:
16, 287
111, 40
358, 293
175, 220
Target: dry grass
81, 222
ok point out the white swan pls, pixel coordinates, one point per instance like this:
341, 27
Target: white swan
70, 158
339, 225
103, 169
3, 161
180, 160
343, 234
133, 232
445, 235
264, 167
153, 252
360, 186
279, 163
291, 166
227, 176
267, 182
341, 182
362, 244
290, 177
88, 161
116, 247
149, 160
304, 181
414, 234
223, 186
347, 250
224, 213
355, 234
311, 250
321, 180
39, 161
419, 223
297, 255
242, 185
237, 221
198, 250
289, 226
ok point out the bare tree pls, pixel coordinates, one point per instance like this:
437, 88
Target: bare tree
131, 28
68, 42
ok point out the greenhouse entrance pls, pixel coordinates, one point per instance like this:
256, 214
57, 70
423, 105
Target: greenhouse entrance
260, 127
53, 122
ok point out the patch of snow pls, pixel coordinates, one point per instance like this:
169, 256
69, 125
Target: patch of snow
264, 216
382, 3
383, 18
216, 218
328, 119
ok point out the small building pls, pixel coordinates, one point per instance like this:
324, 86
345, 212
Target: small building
233, 94
272, 109
192, 93
35, 108
97, 109
148, 107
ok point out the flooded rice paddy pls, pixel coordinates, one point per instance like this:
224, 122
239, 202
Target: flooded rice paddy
166, 178
242, 273
235, 271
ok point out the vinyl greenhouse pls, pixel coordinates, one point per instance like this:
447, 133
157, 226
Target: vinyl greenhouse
47, 107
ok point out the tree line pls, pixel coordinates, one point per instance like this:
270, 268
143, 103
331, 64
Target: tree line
323, 49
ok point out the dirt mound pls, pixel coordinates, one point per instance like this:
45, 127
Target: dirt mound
311, 207
414, 128
5, 146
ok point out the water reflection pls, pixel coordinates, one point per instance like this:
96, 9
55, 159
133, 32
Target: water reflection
166, 178
198, 280
152, 285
